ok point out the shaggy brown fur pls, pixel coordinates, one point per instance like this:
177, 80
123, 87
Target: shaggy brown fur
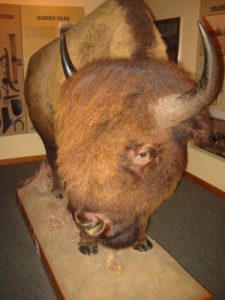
137, 15
108, 32
117, 161
103, 127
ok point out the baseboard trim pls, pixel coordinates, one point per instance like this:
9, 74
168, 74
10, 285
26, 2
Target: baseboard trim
21, 160
205, 184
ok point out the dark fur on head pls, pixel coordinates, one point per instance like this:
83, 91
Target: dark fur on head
119, 127
109, 32
118, 166
137, 16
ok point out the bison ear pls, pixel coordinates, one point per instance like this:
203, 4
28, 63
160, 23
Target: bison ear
92, 223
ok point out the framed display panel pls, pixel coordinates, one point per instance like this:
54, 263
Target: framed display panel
23, 31
217, 146
12, 105
170, 31
212, 13
40, 25
215, 26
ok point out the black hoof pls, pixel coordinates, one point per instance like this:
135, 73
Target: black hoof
143, 246
88, 250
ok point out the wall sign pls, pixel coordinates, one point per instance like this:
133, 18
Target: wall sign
12, 112
24, 30
212, 13
217, 8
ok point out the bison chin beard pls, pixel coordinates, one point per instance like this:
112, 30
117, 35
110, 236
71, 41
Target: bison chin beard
120, 237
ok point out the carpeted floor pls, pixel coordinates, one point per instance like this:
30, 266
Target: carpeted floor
21, 273
190, 225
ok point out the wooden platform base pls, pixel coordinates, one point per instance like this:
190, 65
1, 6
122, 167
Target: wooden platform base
125, 274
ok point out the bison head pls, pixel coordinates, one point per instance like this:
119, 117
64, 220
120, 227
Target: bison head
122, 127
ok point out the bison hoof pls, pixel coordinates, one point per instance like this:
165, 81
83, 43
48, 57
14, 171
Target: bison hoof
88, 250
143, 246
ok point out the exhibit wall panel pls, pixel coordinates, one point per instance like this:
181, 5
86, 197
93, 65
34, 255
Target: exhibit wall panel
30, 144
41, 24
24, 29
213, 14
12, 104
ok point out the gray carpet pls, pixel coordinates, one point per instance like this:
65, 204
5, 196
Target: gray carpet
190, 225
21, 273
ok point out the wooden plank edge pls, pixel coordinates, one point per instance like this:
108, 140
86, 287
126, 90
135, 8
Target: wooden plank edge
205, 184
21, 160
51, 277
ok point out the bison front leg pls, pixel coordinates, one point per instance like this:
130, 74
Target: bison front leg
143, 243
91, 227
87, 245
51, 152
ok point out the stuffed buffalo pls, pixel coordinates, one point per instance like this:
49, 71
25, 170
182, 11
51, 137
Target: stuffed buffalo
116, 129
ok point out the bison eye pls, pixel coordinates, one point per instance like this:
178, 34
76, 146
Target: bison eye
138, 157
146, 154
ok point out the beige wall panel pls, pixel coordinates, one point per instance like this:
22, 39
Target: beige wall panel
12, 106
40, 25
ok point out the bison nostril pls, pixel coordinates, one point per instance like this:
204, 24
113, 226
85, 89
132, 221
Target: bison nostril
143, 154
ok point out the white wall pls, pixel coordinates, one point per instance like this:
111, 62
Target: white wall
89, 5
202, 164
189, 13
30, 144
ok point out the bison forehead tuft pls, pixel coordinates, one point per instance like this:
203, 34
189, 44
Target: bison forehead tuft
104, 110
111, 91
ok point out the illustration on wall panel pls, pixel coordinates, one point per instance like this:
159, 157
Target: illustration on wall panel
215, 27
170, 31
12, 107
24, 30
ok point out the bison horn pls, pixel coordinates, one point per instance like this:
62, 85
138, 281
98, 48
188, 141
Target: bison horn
67, 64
173, 109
